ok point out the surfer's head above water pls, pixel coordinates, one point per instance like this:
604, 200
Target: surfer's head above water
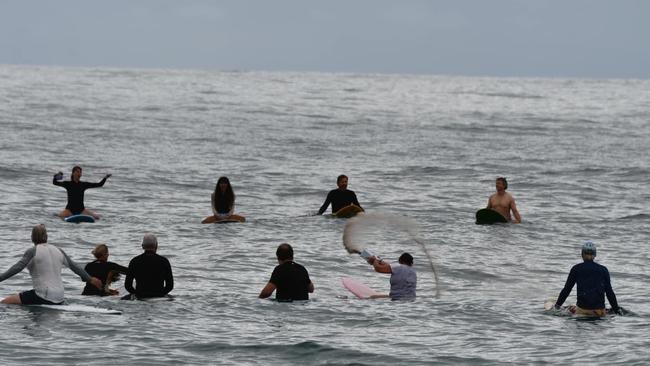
76, 173
149, 242
588, 251
406, 258
342, 181
39, 234
284, 252
503, 182
100, 251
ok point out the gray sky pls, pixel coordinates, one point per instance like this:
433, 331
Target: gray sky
557, 38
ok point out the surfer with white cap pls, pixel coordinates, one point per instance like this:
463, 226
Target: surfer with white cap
403, 278
503, 202
593, 284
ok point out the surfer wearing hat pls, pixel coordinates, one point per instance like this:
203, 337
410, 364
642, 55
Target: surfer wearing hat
290, 279
340, 197
44, 262
76, 188
503, 202
152, 272
593, 284
403, 278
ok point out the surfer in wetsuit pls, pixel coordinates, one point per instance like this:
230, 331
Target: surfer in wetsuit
503, 202
44, 262
151, 272
106, 271
403, 278
223, 203
290, 279
340, 197
593, 284
75, 188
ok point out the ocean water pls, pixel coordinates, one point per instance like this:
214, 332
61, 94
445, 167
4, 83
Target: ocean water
426, 148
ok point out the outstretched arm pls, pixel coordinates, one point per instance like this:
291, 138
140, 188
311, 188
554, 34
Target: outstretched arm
100, 184
80, 271
327, 202
22, 263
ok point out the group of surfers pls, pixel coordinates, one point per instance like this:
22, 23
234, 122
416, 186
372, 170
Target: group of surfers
290, 281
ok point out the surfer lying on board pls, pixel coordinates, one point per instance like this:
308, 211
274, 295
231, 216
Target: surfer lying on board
223, 203
107, 272
403, 279
152, 272
290, 279
593, 284
44, 262
75, 188
340, 197
503, 202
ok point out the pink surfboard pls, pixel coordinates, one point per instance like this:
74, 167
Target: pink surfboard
358, 289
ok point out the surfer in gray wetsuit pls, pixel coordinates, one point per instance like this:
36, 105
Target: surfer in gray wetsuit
340, 197
403, 278
44, 262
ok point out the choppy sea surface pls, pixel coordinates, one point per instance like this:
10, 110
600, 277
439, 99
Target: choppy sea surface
427, 148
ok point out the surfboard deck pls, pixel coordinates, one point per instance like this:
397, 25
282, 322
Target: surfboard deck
347, 211
488, 216
79, 309
227, 221
570, 310
358, 289
79, 218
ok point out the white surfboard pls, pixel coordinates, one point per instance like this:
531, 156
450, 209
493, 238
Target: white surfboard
80, 309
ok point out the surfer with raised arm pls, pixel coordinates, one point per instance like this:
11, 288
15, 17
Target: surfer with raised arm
340, 197
403, 278
503, 202
290, 279
593, 284
44, 262
152, 272
106, 271
76, 188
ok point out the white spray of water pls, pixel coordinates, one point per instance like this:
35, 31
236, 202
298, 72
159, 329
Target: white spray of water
357, 226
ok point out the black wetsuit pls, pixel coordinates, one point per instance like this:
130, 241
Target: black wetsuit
291, 281
100, 270
339, 199
152, 274
593, 283
76, 193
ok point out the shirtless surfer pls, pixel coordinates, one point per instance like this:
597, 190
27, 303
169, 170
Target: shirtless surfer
503, 202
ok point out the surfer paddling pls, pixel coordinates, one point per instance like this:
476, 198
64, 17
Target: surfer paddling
76, 188
341, 197
223, 203
403, 278
290, 279
593, 284
44, 262
503, 202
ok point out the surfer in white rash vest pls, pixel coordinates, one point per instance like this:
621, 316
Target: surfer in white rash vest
44, 262
402, 280
503, 202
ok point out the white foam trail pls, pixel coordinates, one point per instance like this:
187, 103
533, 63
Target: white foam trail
355, 227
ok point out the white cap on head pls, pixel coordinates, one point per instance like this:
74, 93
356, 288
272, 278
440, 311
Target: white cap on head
149, 241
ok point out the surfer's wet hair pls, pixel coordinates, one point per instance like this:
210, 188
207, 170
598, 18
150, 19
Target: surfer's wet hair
284, 252
504, 181
340, 178
406, 258
74, 168
100, 251
39, 234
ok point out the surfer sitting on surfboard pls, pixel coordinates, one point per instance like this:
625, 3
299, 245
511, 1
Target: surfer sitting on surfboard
75, 188
223, 203
340, 197
403, 278
44, 262
290, 279
152, 272
503, 202
107, 272
593, 284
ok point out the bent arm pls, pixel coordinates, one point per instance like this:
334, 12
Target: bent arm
95, 185
568, 286
380, 266
75, 267
169, 280
356, 201
20, 265
268, 290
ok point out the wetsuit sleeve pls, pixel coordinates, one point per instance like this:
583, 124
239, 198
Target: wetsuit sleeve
356, 201
58, 182
169, 279
22, 263
128, 281
327, 202
116, 267
95, 185
611, 297
570, 282
75, 267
